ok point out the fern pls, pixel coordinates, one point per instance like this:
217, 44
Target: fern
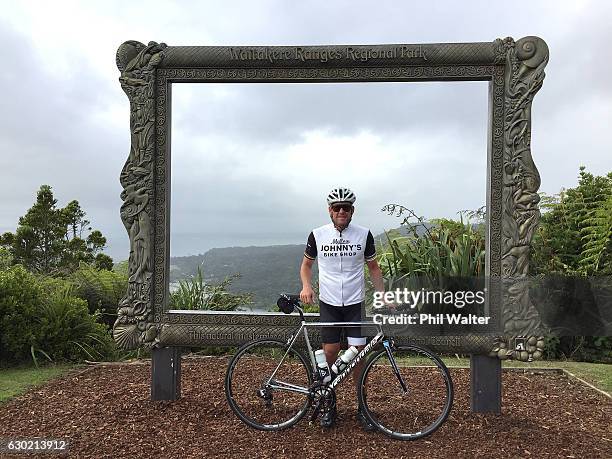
596, 233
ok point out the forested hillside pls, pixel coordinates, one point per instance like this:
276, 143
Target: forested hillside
264, 271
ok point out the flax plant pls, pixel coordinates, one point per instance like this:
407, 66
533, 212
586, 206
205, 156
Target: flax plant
194, 293
433, 254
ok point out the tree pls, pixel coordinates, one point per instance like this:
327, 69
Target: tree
49, 240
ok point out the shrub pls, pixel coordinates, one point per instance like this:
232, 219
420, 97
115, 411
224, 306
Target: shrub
101, 289
41, 317
6, 259
68, 332
20, 299
580, 348
443, 255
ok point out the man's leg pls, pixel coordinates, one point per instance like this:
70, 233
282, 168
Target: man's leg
331, 352
356, 338
328, 419
358, 367
331, 346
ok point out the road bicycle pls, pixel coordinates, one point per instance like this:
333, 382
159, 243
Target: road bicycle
406, 392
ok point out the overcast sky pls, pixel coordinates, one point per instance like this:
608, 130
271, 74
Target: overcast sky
252, 163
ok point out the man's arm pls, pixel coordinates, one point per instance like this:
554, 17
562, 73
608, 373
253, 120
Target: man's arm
370, 259
376, 275
307, 294
377, 280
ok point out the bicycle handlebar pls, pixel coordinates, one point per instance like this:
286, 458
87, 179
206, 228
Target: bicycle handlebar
289, 303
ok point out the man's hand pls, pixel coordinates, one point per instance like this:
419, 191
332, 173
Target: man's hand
307, 295
389, 305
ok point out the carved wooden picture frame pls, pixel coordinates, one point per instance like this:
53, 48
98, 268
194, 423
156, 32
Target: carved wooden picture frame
515, 72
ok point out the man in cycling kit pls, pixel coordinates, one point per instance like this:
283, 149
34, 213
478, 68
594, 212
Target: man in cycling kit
342, 248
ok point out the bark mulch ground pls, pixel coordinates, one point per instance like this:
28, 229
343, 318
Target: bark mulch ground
105, 411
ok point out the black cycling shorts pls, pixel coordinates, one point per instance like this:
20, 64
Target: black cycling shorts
351, 313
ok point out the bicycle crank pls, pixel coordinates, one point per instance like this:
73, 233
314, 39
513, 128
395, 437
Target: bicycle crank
324, 400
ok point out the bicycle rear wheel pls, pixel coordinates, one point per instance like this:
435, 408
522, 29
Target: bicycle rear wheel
411, 414
261, 397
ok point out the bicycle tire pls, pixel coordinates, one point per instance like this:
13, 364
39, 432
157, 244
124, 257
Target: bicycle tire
246, 375
420, 411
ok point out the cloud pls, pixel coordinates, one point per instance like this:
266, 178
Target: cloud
279, 113
252, 163
49, 134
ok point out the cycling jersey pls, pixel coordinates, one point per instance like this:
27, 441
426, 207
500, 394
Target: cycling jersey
341, 255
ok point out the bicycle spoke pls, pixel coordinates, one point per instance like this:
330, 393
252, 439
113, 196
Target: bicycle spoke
413, 413
262, 402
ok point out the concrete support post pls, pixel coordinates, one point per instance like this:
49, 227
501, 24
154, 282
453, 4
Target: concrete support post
485, 384
166, 373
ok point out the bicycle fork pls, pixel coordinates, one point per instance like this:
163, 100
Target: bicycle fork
387, 347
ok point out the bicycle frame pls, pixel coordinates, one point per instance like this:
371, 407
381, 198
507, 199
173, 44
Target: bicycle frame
341, 376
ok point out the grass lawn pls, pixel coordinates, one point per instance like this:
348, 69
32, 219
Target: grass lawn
598, 374
15, 381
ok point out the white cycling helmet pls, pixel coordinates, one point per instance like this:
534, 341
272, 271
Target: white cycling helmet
340, 195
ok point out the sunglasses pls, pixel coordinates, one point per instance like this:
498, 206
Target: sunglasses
345, 207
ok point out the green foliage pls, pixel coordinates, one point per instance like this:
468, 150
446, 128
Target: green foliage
575, 232
20, 299
574, 241
311, 308
101, 289
121, 268
41, 318
580, 348
443, 255
446, 249
68, 332
194, 293
51, 240
6, 259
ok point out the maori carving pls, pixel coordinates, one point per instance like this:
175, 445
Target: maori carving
524, 73
137, 63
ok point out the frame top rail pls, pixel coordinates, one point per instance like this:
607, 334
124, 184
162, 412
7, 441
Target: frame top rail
334, 56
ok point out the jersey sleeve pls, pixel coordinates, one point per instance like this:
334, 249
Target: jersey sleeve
370, 249
311, 247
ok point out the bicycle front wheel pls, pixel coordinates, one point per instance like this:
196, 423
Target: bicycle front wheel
409, 400
267, 385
